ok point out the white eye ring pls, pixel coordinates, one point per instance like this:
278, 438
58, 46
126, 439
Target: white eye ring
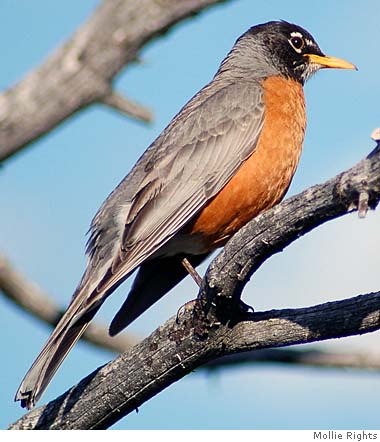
297, 42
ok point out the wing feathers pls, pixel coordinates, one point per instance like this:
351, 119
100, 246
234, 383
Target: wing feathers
191, 161
188, 164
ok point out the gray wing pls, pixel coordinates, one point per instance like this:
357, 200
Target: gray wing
189, 163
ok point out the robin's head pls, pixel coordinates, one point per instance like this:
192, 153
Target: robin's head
279, 48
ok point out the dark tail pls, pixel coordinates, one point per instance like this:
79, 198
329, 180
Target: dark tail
154, 279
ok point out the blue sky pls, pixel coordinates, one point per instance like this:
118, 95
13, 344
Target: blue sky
51, 191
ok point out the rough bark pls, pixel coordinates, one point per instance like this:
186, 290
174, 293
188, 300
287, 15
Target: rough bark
31, 299
176, 349
270, 232
80, 73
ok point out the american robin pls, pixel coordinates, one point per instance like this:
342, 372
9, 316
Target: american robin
228, 155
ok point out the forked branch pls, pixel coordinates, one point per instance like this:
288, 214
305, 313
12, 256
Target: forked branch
175, 349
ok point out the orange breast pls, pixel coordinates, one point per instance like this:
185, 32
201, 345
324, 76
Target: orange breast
265, 176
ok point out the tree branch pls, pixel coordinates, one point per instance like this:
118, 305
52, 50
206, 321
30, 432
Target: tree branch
175, 350
81, 71
272, 231
30, 298
121, 104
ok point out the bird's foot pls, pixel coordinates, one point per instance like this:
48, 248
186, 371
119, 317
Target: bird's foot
245, 308
230, 311
188, 306
223, 312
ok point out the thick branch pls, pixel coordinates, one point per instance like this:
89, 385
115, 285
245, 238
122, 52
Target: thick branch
173, 350
33, 300
30, 298
80, 72
272, 231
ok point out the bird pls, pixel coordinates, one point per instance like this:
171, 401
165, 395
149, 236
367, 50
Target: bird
228, 155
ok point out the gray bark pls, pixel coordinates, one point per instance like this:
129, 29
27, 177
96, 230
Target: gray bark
80, 72
173, 351
176, 349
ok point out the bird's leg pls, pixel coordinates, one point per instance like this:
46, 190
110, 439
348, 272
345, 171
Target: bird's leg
193, 273
198, 280
239, 307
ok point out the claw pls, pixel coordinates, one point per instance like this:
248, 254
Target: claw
183, 308
245, 308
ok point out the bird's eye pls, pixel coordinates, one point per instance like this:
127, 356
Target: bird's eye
297, 43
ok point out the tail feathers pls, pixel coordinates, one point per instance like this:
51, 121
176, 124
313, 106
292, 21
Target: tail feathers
153, 280
66, 334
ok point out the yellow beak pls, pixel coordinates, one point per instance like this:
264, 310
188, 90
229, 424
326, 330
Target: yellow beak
330, 62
